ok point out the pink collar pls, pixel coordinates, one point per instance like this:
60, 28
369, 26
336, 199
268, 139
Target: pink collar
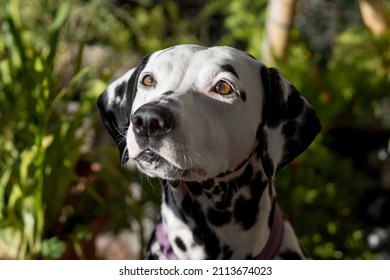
269, 252
272, 247
162, 239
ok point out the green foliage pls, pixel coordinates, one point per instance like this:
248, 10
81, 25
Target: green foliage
243, 22
52, 248
50, 200
166, 30
359, 73
321, 202
321, 190
40, 137
139, 26
352, 84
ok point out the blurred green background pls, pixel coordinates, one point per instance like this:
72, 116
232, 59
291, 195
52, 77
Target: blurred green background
63, 193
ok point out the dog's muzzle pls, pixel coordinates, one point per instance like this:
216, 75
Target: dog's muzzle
152, 122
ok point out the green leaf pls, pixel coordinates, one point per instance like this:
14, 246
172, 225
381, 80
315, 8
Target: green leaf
62, 16
4, 180
59, 22
27, 158
15, 196
10, 241
53, 248
29, 224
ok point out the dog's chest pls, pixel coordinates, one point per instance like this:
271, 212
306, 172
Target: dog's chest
221, 221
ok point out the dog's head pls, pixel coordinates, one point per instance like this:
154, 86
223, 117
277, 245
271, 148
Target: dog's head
191, 113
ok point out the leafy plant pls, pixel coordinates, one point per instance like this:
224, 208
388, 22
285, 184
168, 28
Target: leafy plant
40, 133
324, 201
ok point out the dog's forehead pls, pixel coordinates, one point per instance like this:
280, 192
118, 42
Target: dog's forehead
185, 56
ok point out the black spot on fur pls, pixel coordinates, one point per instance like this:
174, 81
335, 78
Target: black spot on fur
223, 174
262, 153
244, 178
257, 186
218, 218
268, 165
227, 252
152, 257
300, 127
290, 255
266, 91
275, 109
167, 192
295, 104
227, 195
116, 116
305, 132
168, 93
202, 231
180, 244
132, 85
208, 184
274, 105
216, 190
209, 195
174, 184
120, 90
271, 215
169, 199
195, 188
243, 95
290, 128
230, 69
261, 137
271, 192
246, 210
310, 127
223, 193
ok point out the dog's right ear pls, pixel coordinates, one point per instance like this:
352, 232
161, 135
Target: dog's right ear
115, 106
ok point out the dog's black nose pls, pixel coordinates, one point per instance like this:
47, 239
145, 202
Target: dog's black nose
152, 120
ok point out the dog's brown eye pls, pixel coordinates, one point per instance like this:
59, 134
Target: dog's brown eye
223, 87
149, 81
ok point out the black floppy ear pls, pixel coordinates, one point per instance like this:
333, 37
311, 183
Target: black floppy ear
289, 123
115, 106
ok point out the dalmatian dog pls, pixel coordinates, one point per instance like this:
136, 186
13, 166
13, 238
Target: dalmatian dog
216, 126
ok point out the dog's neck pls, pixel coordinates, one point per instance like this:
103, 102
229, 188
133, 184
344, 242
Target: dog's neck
228, 217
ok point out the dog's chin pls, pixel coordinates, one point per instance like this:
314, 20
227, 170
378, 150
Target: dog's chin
155, 165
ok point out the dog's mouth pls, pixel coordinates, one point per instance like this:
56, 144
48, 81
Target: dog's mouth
155, 165
150, 157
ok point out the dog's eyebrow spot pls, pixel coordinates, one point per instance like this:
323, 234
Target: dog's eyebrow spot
230, 69
243, 95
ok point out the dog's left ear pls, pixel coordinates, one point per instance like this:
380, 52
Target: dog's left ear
115, 106
289, 123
